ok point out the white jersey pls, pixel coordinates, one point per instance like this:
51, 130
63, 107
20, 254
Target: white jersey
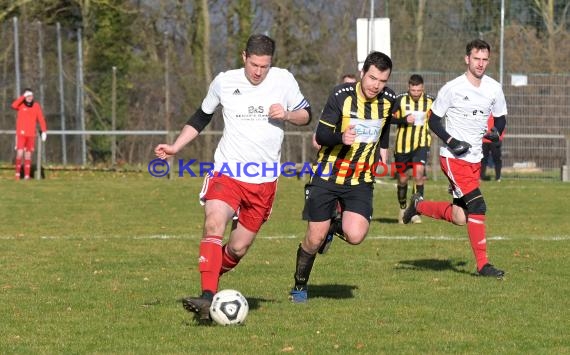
466, 109
250, 147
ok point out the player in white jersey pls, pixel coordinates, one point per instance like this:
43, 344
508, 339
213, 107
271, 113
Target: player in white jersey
257, 101
466, 102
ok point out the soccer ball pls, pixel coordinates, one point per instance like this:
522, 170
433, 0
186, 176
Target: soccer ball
229, 307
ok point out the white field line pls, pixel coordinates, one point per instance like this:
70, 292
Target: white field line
382, 237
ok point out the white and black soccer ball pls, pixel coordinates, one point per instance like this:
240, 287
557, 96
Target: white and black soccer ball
229, 307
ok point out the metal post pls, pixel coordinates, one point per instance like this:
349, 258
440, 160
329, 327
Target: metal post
371, 28
16, 57
502, 50
61, 94
114, 117
38, 175
170, 136
80, 109
566, 172
41, 152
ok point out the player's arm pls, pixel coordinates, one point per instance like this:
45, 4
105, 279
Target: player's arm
196, 123
326, 134
301, 117
397, 117
18, 102
495, 134
457, 147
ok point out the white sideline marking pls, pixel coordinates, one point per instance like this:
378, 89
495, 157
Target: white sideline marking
383, 237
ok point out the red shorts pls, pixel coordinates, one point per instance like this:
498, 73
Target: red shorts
251, 202
25, 143
462, 175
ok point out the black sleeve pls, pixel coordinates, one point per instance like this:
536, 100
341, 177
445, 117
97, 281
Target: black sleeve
326, 135
200, 119
385, 136
500, 123
436, 127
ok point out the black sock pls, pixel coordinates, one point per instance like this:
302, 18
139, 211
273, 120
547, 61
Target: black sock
207, 294
303, 270
420, 190
402, 195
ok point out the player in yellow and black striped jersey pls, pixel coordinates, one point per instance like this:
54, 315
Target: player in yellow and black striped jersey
354, 124
413, 139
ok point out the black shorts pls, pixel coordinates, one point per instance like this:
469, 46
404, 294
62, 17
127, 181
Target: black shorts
321, 198
408, 160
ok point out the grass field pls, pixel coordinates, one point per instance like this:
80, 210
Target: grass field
97, 263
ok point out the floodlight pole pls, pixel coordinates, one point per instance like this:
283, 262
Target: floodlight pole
371, 27
502, 44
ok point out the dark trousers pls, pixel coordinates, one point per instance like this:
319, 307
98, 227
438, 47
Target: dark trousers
492, 150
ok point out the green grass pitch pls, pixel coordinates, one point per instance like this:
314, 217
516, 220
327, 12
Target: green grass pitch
97, 263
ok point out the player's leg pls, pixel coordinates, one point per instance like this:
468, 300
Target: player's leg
320, 203
220, 203
497, 158
27, 163
419, 160
254, 211
435, 209
29, 147
468, 181
401, 166
357, 201
485, 161
19, 155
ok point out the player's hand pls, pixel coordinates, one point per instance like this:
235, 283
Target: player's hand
316, 145
458, 147
349, 136
277, 112
410, 118
493, 135
44, 136
164, 151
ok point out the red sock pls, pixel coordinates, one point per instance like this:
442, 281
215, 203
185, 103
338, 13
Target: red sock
210, 262
18, 166
27, 165
435, 209
228, 261
476, 232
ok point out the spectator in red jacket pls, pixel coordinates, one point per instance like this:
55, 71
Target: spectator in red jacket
29, 114
493, 150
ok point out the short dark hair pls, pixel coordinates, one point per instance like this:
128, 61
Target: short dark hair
379, 60
478, 44
258, 44
416, 79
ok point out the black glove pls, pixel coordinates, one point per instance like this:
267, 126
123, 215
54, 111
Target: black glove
458, 147
493, 135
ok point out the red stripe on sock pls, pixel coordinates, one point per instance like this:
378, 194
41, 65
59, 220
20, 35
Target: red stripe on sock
228, 261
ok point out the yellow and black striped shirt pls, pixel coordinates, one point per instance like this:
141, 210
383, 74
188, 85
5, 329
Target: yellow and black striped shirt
353, 165
411, 136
